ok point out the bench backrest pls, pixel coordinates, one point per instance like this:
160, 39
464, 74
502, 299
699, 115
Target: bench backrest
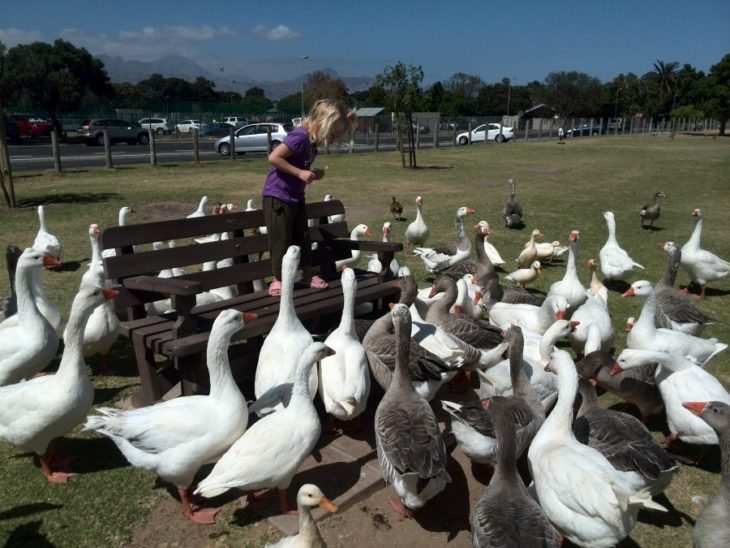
135, 255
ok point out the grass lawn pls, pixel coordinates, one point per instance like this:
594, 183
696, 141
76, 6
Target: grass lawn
561, 188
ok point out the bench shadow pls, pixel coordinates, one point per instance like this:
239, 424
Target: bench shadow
28, 534
28, 510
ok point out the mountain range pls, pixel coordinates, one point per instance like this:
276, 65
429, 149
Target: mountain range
175, 66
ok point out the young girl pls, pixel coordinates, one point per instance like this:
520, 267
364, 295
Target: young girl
283, 194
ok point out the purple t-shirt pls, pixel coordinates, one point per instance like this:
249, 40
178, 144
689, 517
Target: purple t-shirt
289, 188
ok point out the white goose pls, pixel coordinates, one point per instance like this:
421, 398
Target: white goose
35, 413
357, 233
344, 379
448, 254
308, 497
29, 342
550, 250
417, 232
582, 494
175, 438
489, 249
339, 218
200, 212
679, 380
270, 452
570, 286
645, 336
287, 340
529, 316
615, 262
394, 265
103, 326
46, 242
529, 253
124, 213
701, 265
594, 330
523, 276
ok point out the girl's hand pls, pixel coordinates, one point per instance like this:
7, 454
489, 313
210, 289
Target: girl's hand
318, 173
307, 176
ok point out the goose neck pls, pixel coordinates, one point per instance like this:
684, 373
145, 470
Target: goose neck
444, 304
300, 390
401, 378
347, 322
561, 417
648, 311
419, 212
307, 527
725, 463
459, 227
670, 274
219, 368
72, 361
506, 449
694, 240
572, 257
611, 224
95, 253
25, 292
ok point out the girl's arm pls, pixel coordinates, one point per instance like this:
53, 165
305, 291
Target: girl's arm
279, 159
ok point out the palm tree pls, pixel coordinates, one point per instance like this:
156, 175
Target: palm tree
666, 75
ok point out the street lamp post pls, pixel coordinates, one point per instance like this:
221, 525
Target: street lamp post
509, 92
615, 105
304, 58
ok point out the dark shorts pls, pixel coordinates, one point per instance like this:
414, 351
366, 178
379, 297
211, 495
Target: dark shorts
286, 225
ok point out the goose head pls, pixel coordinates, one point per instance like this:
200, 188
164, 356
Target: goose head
714, 413
231, 321
634, 357
591, 264
442, 284
124, 214
697, 213
629, 325
560, 362
536, 266
419, 201
536, 233
250, 206
483, 226
327, 198
641, 288
310, 496
32, 259
574, 236
386, 228
359, 231
559, 305
463, 212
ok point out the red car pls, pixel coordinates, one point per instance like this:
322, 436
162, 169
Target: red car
32, 125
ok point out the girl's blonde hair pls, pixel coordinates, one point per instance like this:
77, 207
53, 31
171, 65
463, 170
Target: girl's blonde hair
328, 122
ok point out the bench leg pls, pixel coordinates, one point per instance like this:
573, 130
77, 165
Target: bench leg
151, 391
194, 378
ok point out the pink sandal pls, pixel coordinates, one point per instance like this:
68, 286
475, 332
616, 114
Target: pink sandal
315, 282
275, 289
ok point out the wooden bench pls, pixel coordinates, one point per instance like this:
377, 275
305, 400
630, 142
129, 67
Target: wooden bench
170, 348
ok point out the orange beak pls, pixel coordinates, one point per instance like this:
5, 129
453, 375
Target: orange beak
697, 407
560, 314
629, 292
574, 324
391, 305
477, 297
469, 211
547, 369
434, 291
616, 369
368, 232
330, 351
458, 309
328, 505
109, 293
485, 403
248, 316
660, 245
50, 262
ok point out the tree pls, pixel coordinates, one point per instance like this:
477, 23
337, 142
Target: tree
401, 89
573, 94
56, 77
464, 84
719, 103
7, 91
255, 92
321, 85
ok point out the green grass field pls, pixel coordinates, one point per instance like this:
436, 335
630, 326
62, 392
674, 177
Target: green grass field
561, 188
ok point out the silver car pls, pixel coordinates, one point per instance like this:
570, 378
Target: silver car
118, 130
253, 138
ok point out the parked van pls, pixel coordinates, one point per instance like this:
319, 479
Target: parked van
235, 121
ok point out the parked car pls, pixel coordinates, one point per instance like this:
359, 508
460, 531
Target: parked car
235, 121
585, 130
219, 129
492, 132
132, 133
32, 125
186, 126
12, 132
158, 125
253, 138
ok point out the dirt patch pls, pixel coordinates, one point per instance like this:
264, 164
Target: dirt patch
543, 168
164, 211
435, 167
489, 183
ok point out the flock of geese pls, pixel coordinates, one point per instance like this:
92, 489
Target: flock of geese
592, 469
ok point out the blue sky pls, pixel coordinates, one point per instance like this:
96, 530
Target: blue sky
522, 40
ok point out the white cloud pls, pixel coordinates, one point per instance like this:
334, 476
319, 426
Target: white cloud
281, 32
148, 43
12, 36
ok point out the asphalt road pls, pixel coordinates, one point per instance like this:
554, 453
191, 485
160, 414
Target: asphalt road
37, 155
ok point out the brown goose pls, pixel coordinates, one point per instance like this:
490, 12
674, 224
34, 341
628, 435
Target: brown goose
472, 426
675, 310
713, 526
651, 212
512, 210
396, 209
468, 332
479, 268
411, 450
506, 515
635, 386
624, 441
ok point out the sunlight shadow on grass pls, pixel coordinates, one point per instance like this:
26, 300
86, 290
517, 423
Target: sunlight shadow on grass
70, 198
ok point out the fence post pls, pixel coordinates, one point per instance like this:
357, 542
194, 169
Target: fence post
107, 149
527, 131
196, 148
377, 137
56, 151
453, 136
550, 129
436, 136
418, 135
232, 144
268, 140
468, 135
539, 130
153, 148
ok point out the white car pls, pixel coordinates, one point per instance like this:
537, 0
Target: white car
254, 138
186, 126
235, 121
158, 125
493, 134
